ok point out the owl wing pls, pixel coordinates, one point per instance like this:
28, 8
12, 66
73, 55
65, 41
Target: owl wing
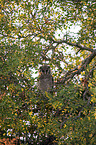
46, 83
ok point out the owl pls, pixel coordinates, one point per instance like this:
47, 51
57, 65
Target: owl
45, 79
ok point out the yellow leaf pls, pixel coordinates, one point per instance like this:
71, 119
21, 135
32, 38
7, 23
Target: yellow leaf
4, 134
30, 113
79, 66
15, 114
22, 89
88, 118
90, 135
64, 126
46, 93
83, 73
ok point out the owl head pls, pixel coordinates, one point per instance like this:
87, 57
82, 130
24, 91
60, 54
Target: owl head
44, 70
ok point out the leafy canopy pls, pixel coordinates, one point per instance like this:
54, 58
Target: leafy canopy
61, 34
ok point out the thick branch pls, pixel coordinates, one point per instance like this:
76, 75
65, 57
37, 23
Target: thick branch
74, 44
78, 71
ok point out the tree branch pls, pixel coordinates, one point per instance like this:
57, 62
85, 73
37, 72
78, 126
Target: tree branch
78, 71
74, 44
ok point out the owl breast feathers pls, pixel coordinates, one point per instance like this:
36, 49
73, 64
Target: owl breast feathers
45, 79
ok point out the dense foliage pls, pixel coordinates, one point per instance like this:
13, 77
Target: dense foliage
61, 34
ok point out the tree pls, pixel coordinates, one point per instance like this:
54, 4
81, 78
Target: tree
61, 34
